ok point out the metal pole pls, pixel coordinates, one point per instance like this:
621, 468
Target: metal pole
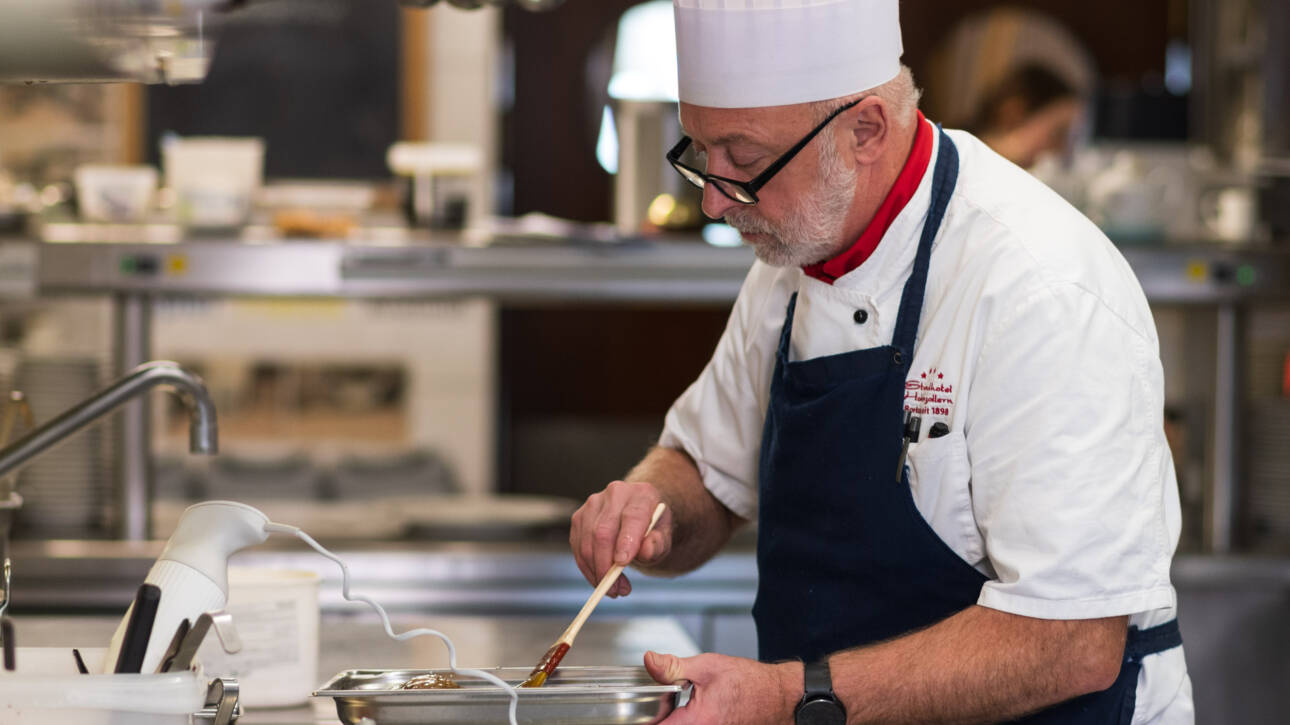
1276, 79
1202, 21
132, 347
1227, 406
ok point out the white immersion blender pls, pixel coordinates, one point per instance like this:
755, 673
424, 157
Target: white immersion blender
192, 571
192, 574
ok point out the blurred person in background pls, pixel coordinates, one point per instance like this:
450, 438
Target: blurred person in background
1030, 112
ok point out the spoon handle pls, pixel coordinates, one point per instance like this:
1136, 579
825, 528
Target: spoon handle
605, 582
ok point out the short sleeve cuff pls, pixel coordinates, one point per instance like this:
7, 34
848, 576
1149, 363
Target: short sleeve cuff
993, 597
732, 493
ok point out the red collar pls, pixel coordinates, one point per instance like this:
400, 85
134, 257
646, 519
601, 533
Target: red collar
901, 192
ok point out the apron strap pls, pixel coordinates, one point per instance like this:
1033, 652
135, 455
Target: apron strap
1152, 640
944, 179
786, 332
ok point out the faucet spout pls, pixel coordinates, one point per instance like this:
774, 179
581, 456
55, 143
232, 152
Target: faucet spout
203, 436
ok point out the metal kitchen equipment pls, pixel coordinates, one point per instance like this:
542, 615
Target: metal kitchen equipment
10, 501
192, 640
202, 432
535, 5
1241, 71
143, 41
573, 696
441, 177
192, 573
223, 705
106, 40
645, 131
63, 495
643, 98
203, 437
134, 276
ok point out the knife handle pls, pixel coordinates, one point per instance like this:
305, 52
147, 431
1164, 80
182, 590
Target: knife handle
138, 630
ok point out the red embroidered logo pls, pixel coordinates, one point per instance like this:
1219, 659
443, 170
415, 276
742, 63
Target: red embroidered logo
929, 394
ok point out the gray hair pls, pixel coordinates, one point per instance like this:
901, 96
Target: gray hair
901, 94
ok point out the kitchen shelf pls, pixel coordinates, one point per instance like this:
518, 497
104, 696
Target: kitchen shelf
676, 269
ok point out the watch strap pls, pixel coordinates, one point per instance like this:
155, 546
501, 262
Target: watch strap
819, 706
817, 679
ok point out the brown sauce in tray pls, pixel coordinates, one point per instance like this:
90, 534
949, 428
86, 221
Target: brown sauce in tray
432, 681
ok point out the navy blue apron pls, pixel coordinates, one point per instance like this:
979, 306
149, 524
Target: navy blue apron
844, 556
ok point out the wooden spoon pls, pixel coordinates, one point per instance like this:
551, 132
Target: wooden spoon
553, 656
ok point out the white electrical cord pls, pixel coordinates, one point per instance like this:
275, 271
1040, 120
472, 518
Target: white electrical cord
385, 619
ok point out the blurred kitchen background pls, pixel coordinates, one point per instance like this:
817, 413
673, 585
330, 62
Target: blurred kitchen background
442, 286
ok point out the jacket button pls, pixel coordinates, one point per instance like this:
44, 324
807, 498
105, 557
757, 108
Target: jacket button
860, 317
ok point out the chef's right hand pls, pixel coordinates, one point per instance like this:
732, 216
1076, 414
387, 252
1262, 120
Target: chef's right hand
610, 529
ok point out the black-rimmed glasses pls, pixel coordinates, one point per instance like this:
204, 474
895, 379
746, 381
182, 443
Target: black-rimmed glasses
745, 192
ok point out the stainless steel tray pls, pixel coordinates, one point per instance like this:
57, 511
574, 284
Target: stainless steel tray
573, 696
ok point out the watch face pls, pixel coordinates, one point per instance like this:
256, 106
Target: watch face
821, 711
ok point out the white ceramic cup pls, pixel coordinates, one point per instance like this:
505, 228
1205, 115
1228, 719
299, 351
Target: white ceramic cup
275, 613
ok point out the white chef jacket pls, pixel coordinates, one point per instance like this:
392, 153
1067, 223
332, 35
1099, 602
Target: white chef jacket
1036, 346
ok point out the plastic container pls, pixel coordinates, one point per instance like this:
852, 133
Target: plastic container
276, 616
115, 194
214, 179
46, 689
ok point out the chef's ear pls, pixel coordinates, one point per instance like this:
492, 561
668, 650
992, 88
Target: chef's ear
869, 126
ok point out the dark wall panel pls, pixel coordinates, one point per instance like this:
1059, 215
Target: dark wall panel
560, 59
319, 80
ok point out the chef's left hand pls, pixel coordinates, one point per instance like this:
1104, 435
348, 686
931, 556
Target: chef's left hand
730, 690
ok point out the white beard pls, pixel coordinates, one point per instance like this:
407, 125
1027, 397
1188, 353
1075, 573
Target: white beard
811, 232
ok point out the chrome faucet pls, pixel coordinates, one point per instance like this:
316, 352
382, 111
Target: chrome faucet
202, 433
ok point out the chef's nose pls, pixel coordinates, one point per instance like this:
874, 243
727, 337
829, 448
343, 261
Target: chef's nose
715, 203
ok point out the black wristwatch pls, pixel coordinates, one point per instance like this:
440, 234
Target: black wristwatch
819, 706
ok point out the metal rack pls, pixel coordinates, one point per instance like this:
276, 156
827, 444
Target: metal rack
519, 270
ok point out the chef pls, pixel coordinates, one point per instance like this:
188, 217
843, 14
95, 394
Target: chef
939, 395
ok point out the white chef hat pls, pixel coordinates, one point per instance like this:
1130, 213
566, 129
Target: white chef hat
751, 53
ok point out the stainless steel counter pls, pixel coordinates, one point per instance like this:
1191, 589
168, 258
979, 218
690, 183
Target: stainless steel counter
356, 640
1231, 609
447, 578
